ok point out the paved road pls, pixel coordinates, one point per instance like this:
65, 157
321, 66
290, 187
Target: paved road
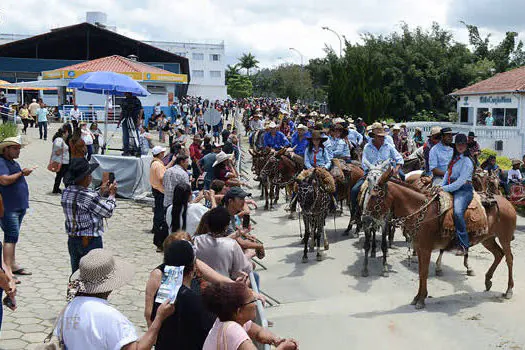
325, 305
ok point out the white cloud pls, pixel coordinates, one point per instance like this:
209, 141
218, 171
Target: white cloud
266, 28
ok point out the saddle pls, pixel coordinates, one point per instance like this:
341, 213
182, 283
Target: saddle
475, 215
362, 192
327, 181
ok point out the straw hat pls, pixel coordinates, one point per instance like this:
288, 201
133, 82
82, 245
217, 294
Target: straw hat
222, 157
100, 272
352, 126
10, 141
272, 125
338, 120
396, 127
302, 127
516, 162
435, 130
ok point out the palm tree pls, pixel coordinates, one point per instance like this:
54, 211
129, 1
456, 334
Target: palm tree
232, 71
248, 61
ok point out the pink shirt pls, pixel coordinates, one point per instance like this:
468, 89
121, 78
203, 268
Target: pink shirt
226, 335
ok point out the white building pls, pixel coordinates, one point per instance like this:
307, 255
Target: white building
207, 66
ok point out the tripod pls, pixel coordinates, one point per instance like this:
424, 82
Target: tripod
133, 139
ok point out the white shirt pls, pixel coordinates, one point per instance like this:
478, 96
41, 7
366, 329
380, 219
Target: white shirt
513, 175
193, 217
91, 323
75, 114
157, 110
87, 137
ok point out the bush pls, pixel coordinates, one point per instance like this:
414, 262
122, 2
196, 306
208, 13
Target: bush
8, 130
503, 162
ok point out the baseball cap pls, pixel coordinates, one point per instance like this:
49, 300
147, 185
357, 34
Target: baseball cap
236, 192
157, 150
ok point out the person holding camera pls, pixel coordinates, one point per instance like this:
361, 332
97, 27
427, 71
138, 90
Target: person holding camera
85, 210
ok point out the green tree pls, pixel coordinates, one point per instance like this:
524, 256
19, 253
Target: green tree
239, 86
231, 71
248, 61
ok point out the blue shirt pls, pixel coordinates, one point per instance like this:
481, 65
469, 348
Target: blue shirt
16, 195
461, 173
328, 145
206, 163
339, 148
375, 156
276, 142
42, 115
355, 137
323, 158
388, 139
291, 124
440, 156
300, 145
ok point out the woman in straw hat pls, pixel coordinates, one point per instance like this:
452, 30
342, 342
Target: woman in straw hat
89, 322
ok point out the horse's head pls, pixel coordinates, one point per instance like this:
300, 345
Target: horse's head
374, 206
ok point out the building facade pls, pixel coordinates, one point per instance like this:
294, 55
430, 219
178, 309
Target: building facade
207, 66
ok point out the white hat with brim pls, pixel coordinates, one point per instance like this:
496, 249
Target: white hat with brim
338, 120
302, 127
272, 125
10, 141
516, 162
222, 157
157, 150
352, 126
99, 272
396, 127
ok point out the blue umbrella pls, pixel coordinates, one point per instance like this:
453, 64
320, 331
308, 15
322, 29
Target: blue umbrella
107, 83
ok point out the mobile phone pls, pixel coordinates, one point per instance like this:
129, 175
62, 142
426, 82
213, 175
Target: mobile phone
111, 178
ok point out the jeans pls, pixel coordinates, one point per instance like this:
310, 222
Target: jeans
354, 193
462, 198
59, 176
77, 248
10, 224
89, 151
42, 125
159, 222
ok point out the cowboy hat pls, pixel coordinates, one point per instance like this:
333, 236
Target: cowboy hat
516, 162
99, 272
78, 169
471, 134
313, 114
10, 141
460, 139
418, 129
302, 127
435, 130
338, 120
378, 131
316, 135
350, 120
352, 126
396, 127
338, 127
221, 157
272, 125
447, 130
376, 125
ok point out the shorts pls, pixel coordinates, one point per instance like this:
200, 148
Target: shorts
10, 224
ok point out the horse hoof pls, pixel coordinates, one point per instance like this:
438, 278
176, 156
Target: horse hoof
439, 273
305, 259
420, 305
364, 273
508, 294
488, 285
470, 273
414, 301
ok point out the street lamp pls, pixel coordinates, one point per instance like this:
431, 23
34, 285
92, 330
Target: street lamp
338, 37
300, 54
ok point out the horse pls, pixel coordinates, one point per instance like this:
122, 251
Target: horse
259, 159
353, 173
314, 203
420, 216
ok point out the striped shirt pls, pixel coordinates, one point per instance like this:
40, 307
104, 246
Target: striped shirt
85, 211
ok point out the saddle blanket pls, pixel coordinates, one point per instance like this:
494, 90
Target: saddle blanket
475, 215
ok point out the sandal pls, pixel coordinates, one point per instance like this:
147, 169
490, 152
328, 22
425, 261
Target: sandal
22, 272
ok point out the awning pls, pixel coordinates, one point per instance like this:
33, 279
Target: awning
40, 85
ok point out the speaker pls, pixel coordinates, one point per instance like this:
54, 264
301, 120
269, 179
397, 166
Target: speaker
499, 145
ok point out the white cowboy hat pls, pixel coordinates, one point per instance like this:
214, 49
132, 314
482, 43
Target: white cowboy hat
221, 157
302, 127
10, 141
396, 127
338, 120
272, 125
352, 126
100, 272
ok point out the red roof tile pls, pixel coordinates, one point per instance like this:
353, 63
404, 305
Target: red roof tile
117, 64
511, 81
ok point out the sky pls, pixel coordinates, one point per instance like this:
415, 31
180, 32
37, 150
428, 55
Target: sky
266, 28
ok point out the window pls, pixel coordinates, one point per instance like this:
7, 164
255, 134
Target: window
215, 57
197, 56
197, 73
511, 116
157, 89
481, 115
499, 116
215, 73
463, 117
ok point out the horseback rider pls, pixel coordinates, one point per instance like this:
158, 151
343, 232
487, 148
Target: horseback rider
433, 139
316, 154
274, 138
355, 138
340, 148
388, 139
440, 156
458, 181
375, 152
300, 139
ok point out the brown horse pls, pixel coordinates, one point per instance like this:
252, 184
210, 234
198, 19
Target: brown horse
353, 173
259, 159
421, 220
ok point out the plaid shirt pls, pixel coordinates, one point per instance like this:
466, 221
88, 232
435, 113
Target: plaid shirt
173, 176
89, 208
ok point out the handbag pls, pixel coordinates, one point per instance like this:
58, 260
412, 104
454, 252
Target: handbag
53, 165
57, 343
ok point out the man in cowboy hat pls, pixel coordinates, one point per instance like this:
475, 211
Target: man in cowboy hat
85, 210
473, 146
299, 140
256, 123
89, 322
275, 139
433, 139
375, 153
440, 156
398, 142
388, 138
15, 194
513, 175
